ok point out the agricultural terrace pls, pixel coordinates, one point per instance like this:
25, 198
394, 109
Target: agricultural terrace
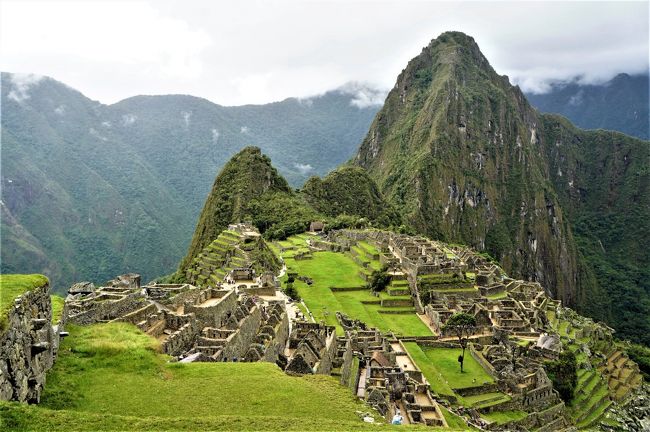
339, 285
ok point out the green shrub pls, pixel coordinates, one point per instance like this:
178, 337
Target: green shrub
564, 374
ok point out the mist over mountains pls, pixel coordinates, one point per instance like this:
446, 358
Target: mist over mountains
122, 185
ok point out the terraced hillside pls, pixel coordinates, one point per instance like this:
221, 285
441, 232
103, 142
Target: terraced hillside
600, 381
228, 251
339, 285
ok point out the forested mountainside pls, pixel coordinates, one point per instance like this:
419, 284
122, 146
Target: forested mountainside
465, 158
620, 104
90, 190
250, 189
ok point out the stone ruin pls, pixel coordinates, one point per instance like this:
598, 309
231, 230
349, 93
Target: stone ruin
191, 323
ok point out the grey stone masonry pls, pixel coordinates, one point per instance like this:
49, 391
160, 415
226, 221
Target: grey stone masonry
28, 347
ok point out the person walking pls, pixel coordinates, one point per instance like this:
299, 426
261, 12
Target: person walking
397, 418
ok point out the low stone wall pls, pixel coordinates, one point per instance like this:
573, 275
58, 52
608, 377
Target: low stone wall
397, 303
108, 309
483, 362
182, 339
28, 347
260, 291
473, 391
138, 315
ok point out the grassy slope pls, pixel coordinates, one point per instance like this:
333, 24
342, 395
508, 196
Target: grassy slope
109, 376
12, 286
331, 269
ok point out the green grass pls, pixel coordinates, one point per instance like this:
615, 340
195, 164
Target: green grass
115, 370
501, 417
441, 369
332, 269
11, 287
57, 308
454, 421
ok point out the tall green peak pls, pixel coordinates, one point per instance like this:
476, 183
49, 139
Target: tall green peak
466, 159
247, 177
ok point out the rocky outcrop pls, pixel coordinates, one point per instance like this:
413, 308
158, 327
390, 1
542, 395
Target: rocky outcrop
28, 347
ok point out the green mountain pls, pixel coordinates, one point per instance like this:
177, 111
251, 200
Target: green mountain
78, 202
250, 189
90, 190
243, 187
350, 190
620, 104
466, 159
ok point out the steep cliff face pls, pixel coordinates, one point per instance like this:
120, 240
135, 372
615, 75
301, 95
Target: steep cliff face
458, 150
602, 179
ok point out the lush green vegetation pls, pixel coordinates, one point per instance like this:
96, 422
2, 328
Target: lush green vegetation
167, 150
564, 374
379, 280
350, 190
337, 270
13, 286
461, 325
58, 303
456, 179
608, 221
440, 368
640, 355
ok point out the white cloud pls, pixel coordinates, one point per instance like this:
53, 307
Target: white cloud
106, 124
186, 118
129, 119
255, 52
60, 110
303, 168
215, 135
243, 130
21, 83
363, 95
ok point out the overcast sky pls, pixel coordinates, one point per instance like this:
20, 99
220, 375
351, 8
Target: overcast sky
241, 52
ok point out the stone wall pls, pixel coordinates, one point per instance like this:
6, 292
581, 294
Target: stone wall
27, 347
277, 344
214, 315
238, 344
346, 366
106, 310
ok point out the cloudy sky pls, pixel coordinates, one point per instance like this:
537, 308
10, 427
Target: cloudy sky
239, 52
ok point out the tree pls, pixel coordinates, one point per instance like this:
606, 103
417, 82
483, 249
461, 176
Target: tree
379, 279
563, 372
462, 325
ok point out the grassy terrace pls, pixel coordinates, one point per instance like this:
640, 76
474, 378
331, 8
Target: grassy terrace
110, 376
13, 286
333, 269
441, 369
